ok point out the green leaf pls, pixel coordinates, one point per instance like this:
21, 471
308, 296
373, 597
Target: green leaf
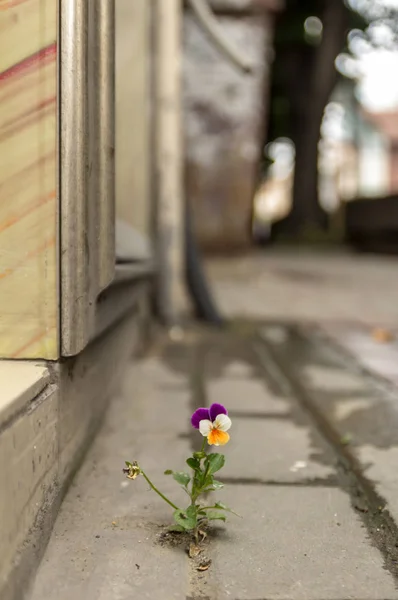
194, 463
192, 513
181, 519
128, 464
222, 506
215, 462
207, 482
217, 485
176, 528
210, 485
182, 478
184, 520
213, 515
346, 439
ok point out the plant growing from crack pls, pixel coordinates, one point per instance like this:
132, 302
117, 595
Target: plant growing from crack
213, 423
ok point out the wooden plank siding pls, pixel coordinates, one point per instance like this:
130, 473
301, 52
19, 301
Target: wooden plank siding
28, 179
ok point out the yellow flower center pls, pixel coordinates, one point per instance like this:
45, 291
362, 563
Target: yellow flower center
217, 437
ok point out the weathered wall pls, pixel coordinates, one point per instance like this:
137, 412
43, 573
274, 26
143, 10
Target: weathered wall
28, 196
133, 112
224, 122
47, 419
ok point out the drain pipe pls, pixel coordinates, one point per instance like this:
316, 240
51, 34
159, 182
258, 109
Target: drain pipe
178, 255
205, 306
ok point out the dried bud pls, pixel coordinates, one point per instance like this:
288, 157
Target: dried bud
132, 471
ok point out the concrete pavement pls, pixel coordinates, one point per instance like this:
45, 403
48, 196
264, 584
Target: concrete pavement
340, 351
313, 527
319, 285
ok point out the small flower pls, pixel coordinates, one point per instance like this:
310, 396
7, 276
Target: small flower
212, 423
132, 471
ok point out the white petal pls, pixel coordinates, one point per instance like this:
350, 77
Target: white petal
205, 427
222, 422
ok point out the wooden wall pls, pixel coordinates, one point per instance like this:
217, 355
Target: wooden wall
133, 172
28, 179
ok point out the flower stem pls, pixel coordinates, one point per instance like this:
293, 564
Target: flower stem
229, 510
155, 489
193, 493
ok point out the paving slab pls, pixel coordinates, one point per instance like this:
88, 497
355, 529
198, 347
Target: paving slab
301, 544
300, 284
333, 379
358, 406
275, 450
382, 358
246, 396
238, 369
105, 542
373, 421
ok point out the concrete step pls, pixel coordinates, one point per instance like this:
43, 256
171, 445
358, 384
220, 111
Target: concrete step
303, 534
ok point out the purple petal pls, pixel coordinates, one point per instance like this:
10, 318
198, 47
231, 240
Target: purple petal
217, 409
199, 415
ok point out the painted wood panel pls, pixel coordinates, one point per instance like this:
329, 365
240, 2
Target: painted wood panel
28, 176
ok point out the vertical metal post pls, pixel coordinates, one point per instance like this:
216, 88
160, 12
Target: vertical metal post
102, 134
169, 214
73, 164
86, 163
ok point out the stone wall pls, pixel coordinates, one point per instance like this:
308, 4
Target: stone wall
224, 113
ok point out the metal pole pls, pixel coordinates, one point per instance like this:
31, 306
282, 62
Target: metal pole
169, 213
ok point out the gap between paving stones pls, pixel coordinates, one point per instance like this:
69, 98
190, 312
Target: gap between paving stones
365, 500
